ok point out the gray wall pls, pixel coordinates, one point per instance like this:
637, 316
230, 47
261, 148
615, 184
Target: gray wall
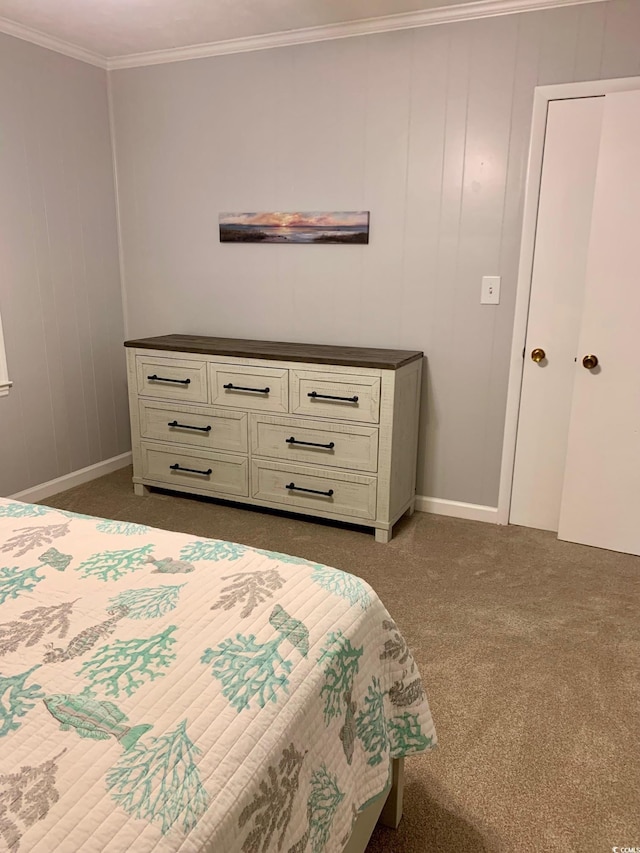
60, 292
428, 129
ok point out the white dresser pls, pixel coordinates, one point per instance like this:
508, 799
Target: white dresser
318, 430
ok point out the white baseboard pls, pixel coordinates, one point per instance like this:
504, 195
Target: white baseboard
75, 478
457, 509
438, 506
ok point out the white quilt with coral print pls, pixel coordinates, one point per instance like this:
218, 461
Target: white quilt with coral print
165, 693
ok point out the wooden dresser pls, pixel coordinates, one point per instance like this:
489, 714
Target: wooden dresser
319, 430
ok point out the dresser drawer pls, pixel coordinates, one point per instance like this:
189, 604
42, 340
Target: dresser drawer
330, 492
215, 472
172, 379
264, 389
343, 396
215, 429
315, 442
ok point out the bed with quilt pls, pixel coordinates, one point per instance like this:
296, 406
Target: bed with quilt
160, 692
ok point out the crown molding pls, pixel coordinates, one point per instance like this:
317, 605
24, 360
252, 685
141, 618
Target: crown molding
19, 31
368, 26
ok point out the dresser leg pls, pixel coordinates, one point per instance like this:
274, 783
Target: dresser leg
141, 490
411, 510
383, 536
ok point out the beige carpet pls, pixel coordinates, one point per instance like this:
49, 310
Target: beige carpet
529, 649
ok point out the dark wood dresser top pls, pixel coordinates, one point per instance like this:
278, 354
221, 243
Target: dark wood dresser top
384, 359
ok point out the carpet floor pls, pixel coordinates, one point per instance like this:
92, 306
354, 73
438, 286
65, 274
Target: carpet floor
529, 649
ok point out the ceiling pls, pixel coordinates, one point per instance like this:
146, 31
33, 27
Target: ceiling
109, 29
114, 28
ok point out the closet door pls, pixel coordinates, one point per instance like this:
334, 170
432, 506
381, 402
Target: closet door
569, 169
601, 494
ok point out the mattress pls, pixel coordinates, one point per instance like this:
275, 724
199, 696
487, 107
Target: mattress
160, 692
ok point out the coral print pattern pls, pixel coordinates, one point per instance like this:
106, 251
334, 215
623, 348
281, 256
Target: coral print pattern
168, 693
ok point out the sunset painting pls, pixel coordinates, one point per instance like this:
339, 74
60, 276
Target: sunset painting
348, 227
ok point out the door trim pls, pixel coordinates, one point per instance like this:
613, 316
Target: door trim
542, 96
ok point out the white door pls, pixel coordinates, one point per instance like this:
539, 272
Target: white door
570, 162
601, 495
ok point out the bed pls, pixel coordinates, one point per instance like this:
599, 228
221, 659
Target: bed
160, 692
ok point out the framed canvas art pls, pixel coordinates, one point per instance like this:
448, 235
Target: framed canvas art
346, 227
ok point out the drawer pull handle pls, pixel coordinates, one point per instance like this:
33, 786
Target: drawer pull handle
293, 487
293, 440
156, 378
314, 395
177, 467
231, 387
188, 426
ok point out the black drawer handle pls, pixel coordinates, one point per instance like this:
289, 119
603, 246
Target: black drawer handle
156, 378
293, 440
230, 387
177, 467
295, 488
314, 395
188, 426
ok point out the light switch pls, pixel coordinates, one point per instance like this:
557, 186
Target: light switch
490, 293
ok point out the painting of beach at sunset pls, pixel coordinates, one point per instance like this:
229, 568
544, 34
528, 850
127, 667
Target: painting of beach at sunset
348, 227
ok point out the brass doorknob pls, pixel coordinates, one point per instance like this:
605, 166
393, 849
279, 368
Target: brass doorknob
538, 354
590, 361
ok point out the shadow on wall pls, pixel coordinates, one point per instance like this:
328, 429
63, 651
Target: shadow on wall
427, 825
428, 435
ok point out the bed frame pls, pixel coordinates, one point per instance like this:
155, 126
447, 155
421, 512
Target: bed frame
386, 809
